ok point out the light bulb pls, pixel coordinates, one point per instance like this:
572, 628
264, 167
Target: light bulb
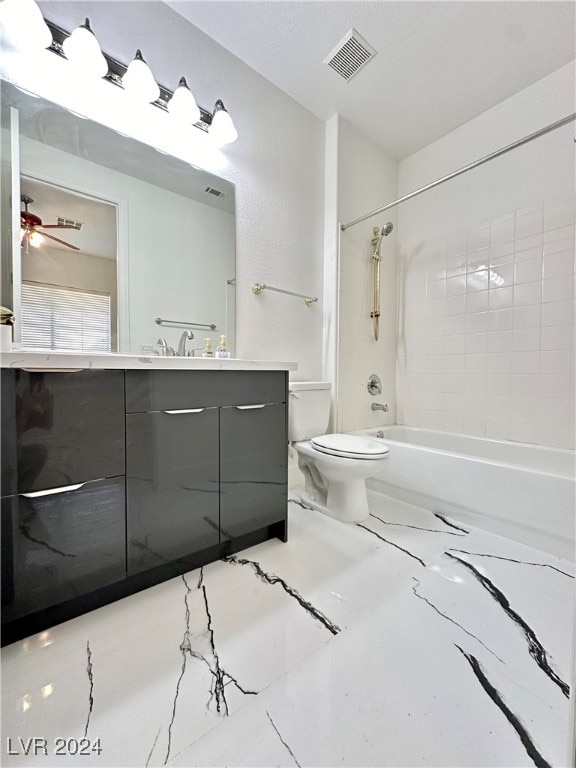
183, 104
222, 128
35, 239
139, 81
83, 50
22, 26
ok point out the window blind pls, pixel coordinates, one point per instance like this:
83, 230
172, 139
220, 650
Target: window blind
54, 317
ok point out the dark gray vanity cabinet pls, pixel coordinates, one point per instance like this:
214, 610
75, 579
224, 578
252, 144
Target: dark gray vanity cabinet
173, 485
63, 486
113, 481
253, 456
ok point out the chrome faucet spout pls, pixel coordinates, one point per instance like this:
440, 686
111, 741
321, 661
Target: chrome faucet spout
187, 335
380, 407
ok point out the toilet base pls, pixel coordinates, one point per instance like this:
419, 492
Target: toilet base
346, 502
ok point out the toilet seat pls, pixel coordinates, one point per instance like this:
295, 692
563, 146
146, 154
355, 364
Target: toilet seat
350, 446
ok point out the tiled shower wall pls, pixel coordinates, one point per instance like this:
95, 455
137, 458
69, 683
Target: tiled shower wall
486, 328
359, 355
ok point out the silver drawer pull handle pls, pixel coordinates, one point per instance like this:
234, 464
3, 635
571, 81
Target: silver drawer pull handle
52, 491
186, 410
53, 370
250, 407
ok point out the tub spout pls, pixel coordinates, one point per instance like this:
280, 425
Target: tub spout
380, 407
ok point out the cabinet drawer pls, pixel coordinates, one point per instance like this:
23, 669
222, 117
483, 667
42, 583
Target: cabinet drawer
58, 546
253, 468
172, 486
69, 427
162, 390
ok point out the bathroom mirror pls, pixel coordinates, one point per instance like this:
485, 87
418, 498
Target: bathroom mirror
103, 235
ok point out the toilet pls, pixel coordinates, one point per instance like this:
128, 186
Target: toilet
336, 466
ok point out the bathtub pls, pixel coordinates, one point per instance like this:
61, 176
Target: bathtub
520, 491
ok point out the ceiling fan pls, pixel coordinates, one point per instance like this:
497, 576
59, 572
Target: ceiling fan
31, 225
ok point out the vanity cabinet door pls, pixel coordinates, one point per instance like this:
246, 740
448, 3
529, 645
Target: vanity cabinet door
253, 467
69, 427
172, 485
61, 545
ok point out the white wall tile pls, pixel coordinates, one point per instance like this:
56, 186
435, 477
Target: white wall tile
525, 339
558, 264
557, 289
528, 271
557, 313
559, 215
500, 341
555, 361
502, 230
556, 337
529, 223
490, 349
527, 293
477, 302
479, 237
527, 317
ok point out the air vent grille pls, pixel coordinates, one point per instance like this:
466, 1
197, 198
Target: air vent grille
64, 222
350, 55
214, 191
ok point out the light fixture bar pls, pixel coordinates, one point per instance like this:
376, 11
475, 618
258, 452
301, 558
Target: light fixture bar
116, 71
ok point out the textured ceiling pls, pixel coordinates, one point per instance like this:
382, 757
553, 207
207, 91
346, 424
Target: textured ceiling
439, 64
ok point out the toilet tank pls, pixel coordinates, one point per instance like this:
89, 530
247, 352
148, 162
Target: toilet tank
308, 409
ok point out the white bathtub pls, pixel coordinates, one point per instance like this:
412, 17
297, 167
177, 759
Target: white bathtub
521, 491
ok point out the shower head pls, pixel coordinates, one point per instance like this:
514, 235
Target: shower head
384, 232
387, 228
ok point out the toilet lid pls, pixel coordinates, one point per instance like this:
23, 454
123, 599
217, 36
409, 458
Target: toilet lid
350, 446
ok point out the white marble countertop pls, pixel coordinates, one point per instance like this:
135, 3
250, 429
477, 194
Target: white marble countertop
63, 361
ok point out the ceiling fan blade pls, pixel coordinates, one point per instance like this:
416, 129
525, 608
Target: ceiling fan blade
63, 242
57, 226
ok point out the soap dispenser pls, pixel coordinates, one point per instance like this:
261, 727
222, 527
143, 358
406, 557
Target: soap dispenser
222, 349
208, 351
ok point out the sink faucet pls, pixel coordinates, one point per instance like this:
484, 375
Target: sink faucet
182, 343
380, 407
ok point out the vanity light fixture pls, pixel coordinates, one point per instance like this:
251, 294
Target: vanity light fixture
183, 104
222, 128
83, 50
138, 80
22, 26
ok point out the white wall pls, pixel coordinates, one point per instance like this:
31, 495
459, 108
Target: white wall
367, 179
166, 244
276, 164
486, 335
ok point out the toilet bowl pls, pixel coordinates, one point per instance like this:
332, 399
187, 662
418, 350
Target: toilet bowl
335, 466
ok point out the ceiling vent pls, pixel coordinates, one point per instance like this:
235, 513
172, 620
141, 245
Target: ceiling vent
214, 191
350, 55
62, 222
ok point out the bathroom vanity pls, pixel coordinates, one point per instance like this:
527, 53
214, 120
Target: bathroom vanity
120, 472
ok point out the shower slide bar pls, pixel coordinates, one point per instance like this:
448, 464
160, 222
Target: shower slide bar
257, 289
183, 324
492, 156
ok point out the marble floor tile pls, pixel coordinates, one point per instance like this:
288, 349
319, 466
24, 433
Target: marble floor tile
407, 640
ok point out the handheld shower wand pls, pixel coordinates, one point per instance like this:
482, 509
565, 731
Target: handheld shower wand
376, 257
